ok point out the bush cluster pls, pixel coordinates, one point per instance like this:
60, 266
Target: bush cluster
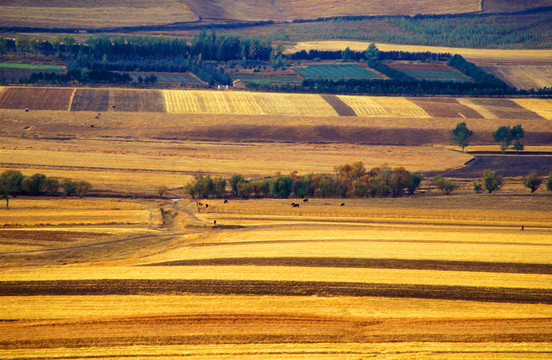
349, 180
14, 183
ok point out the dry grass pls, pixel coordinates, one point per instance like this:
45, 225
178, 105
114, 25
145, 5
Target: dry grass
308, 9
56, 211
96, 14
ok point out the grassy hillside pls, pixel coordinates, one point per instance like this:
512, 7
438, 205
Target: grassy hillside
92, 14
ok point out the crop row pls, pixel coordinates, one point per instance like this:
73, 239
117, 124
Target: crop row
256, 103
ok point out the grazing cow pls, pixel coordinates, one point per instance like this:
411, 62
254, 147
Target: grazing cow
295, 205
97, 117
305, 200
27, 109
114, 107
92, 125
206, 206
214, 222
226, 201
342, 204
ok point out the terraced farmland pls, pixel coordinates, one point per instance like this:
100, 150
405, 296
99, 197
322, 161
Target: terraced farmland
257, 103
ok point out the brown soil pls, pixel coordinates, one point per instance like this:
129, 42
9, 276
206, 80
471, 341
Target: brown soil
35, 98
137, 101
275, 288
440, 265
510, 165
90, 100
261, 329
446, 107
340, 107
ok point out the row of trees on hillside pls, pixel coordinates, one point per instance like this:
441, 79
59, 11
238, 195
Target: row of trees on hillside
349, 180
14, 183
491, 181
503, 135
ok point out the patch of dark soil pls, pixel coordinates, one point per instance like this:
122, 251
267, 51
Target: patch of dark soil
275, 288
339, 106
441, 265
505, 165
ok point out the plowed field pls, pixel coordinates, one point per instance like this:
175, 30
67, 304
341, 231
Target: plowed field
505, 109
36, 98
90, 100
137, 100
448, 108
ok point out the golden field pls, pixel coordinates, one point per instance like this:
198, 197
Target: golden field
126, 273
184, 288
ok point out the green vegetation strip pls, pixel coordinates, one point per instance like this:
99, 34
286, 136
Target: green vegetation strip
440, 265
31, 67
275, 288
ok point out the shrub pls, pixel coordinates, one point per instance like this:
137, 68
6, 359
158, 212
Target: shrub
445, 185
281, 187
532, 181
491, 181
69, 187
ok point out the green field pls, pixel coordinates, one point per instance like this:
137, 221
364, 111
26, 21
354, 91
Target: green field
31, 67
336, 72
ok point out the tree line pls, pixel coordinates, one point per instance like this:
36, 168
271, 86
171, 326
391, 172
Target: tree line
349, 180
14, 183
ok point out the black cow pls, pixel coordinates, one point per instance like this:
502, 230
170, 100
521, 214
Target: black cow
305, 200
342, 204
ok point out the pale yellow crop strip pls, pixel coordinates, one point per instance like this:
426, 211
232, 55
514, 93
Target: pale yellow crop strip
543, 107
486, 113
67, 306
363, 105
313, 105
398, 106
71, 100
277, 273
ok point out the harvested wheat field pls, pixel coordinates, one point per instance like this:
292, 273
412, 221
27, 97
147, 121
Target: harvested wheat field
372, 278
